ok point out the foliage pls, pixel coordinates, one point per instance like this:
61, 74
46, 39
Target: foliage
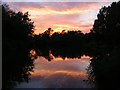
106, 27
17, 29
56, 40
106, 37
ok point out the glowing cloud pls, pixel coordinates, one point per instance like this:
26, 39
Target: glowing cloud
61, 15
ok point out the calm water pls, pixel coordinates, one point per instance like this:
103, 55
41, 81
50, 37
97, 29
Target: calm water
59, 73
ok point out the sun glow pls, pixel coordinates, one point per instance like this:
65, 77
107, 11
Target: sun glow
60, 28
60, 16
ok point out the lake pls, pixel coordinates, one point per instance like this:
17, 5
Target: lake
59, 73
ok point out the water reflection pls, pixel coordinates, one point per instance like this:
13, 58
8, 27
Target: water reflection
59, 73
61, 52
103, 69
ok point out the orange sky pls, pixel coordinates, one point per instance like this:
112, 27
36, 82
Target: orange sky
60, 15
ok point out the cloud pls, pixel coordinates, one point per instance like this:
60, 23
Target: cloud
60, 15
59, 0
54, 8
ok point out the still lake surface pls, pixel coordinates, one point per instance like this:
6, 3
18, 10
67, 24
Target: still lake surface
59, 73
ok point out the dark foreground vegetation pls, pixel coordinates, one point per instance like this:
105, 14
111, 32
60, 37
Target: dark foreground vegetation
102, 44
105, 41
16, 33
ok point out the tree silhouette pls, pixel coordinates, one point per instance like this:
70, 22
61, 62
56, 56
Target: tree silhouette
17, 30
106, 27
63, 39
105, 37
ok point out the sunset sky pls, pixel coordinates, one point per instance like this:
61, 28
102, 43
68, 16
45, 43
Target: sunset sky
60, 15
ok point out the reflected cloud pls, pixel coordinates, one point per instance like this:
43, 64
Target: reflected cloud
58, 79
48, 73
59, 73
61, 65
68, 73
